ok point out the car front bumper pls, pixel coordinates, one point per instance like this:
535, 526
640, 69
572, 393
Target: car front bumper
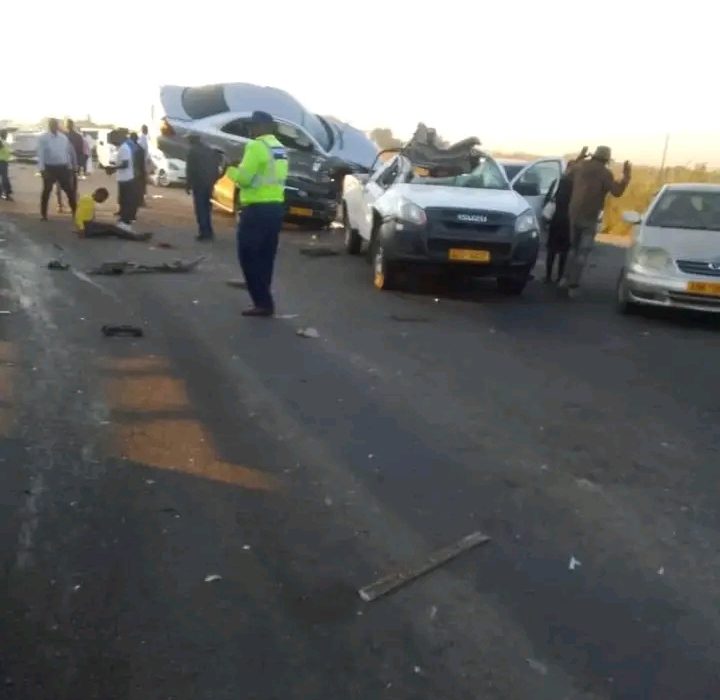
510, 254
305, 205
669, 292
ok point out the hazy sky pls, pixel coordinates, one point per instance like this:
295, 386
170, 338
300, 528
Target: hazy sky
545, 76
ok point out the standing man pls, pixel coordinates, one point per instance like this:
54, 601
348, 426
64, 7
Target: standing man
261, 179
201, 172
78, 143
5, 187
56, 162
127, 187
144, 143
591, 182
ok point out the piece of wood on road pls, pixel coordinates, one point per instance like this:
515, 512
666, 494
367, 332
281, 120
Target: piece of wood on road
439, 557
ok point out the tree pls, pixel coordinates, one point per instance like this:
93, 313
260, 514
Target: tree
384, 138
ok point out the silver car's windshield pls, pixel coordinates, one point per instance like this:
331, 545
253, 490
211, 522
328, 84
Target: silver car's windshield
486, 176
687, 209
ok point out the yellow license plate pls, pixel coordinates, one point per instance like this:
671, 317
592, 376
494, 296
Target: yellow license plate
711, 289
462, 255
300, 211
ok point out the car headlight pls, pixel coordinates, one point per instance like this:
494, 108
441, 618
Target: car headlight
527, 223
649, 258
411, 212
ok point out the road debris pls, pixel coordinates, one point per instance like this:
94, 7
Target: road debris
588, 485
574, 563
417, 670
5, 312
123, 267
213, 577
433, 612
123, 330
308, 333
392, 582
537, 666
163, 244
409, 319
286, 317
661, 571
318, 251
149, 482
58, 265
246, 547
237, 284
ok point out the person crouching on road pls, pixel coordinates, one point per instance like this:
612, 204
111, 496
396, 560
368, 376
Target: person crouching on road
5, 187
591, 182
261, 179
88, 227
201, 173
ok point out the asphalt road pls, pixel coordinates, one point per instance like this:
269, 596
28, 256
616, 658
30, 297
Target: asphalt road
299, 469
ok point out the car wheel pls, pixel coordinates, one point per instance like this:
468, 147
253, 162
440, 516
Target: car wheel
353, 240
161, 179
622, 298
384, 272
512, 286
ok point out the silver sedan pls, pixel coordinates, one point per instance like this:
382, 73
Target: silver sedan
674, 260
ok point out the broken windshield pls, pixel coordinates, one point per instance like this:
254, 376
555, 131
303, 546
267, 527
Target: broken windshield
486, 176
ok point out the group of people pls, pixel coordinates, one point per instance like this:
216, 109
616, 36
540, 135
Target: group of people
573, 211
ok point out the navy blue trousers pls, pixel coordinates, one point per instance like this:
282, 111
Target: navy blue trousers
258, 233
203, 209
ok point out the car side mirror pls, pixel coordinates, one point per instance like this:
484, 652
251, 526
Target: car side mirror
527, 189
632, 217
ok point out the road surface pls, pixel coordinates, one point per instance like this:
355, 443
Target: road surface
292, 471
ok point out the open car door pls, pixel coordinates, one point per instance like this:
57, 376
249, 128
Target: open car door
536, 180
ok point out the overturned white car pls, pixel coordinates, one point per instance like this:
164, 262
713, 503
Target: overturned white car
451, 209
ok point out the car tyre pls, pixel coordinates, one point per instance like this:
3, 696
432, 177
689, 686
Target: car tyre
622, 298
384, 272
161, 179
353, 240
512, 286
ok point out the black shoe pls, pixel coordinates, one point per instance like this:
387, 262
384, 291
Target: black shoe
255, 311
203, 237
43, 218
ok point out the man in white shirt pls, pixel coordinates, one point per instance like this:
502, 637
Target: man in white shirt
127, 187
57, 164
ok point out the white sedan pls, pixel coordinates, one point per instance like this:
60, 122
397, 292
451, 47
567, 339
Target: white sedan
166, 171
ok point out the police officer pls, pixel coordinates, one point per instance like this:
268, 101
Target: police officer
261, 179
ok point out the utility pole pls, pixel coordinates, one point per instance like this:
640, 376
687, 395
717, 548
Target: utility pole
664, 157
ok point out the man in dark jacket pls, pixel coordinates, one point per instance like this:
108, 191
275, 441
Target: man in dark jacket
201, 172
78, 143
591, 181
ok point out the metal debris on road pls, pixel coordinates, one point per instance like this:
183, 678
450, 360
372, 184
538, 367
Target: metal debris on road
286, 317
213, 577
308, 333
237, 283
433, 612
392, 582
537, 666
163, 244
5, 311
417, 670
318, 251
409, 319
58, 265
123, 330
149, 482
574, 563
246, 547
661, 571
127, 267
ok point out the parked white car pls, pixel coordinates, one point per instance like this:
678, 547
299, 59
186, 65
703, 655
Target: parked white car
24, 145
166, 171
674, 260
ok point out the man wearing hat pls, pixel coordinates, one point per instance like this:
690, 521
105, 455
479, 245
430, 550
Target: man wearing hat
592, 181
261, 179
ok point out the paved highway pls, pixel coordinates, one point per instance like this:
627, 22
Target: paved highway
298, 470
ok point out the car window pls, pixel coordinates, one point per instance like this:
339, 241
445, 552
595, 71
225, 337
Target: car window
543, 175
687, 209
512, 169
386, 173
292, 137
238, 127
486, 176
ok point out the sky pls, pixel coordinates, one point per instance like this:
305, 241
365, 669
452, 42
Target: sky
544, 77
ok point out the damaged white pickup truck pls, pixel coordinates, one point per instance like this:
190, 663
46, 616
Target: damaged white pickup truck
451, 209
